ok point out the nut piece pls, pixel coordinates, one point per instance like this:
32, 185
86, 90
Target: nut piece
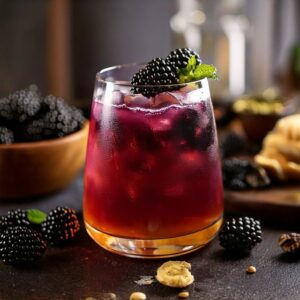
290, 242
137, 296
183, 295
175, 274
107, 296
251, 269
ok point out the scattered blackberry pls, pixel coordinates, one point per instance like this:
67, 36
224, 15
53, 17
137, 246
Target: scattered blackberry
21, 105
20, 245
237, 184
57, 120
6, 136
232, 144
17, 217
60, 225
157, 72
180, 57
240, 174
240, 234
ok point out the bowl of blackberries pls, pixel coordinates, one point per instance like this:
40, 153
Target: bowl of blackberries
42, 143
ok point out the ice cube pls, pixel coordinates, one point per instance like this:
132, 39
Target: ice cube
139, 133
186, 124
117, 98
194, 96
190, 164
138, 161
137, 101
164, 99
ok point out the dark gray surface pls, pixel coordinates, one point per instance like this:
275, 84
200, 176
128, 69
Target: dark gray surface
84, 270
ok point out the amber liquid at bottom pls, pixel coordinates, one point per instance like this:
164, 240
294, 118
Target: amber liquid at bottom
152, 175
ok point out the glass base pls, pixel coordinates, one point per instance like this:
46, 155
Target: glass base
156, 248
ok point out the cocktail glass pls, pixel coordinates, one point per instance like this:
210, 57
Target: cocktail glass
153, 184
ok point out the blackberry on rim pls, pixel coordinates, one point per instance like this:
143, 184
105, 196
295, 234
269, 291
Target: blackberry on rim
157, 72
179, 58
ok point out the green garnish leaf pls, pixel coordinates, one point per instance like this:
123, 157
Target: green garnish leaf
36, 216
194, 71
204, 70
192, 62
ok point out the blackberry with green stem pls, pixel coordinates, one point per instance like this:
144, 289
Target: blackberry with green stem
181, 66
60, 225
21, 245
240, 234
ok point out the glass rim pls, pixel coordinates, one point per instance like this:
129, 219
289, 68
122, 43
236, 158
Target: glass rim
100, 78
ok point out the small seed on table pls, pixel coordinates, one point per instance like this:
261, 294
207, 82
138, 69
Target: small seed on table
183, 294
251, 269
137, 296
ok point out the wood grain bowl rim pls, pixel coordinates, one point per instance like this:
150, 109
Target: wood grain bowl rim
51, 142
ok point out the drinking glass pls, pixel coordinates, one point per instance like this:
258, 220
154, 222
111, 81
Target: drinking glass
153, 184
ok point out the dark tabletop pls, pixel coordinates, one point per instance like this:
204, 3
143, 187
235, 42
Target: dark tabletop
83, 269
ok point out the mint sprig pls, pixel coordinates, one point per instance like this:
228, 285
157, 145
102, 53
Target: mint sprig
36, 216
194, 71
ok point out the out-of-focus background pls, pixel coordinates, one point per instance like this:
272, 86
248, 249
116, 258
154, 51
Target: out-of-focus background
61, 44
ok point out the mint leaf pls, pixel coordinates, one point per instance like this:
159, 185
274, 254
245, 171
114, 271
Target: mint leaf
194, 71
204, 70
182, 78
36, 216
192, 62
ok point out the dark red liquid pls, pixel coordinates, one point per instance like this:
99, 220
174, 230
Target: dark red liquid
152, 173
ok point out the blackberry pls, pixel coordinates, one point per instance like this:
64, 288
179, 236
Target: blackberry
154, 78
237, 184
179, 58
3, 223
240, 174
57, 119
60, 225
232, 144
6, 136
17, 217
21, 105
20, 245
240, 234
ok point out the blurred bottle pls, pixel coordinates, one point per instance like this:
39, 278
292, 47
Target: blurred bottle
218, 33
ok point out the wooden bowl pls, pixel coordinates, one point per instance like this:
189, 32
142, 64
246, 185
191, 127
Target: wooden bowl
257, 126
36, 168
